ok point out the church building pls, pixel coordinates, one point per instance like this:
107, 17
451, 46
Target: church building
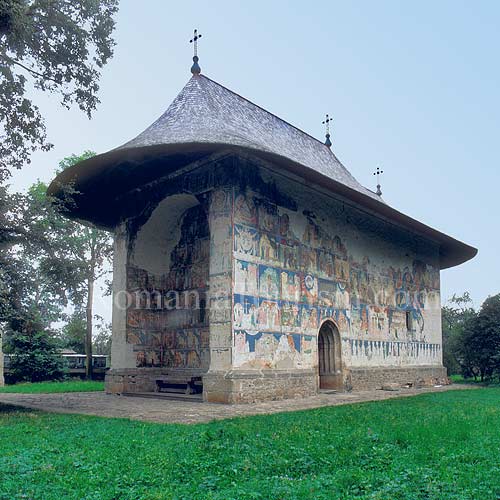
249, 263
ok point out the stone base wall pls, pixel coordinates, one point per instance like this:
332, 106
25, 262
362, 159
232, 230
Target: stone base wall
263, 385
139, 379
362, 379
251, 386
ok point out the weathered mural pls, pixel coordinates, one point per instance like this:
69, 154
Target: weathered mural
275, 274
167, 319
293, 271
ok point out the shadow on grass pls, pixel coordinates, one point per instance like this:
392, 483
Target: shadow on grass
6, 409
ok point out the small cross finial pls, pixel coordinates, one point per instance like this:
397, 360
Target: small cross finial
326, 122
378, 173
195, 68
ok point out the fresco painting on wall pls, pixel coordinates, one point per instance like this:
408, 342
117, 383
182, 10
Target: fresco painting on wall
308, 259
309, 319
172, 349
309, 289
308, 350
341, 270
245, 210
268, 350
268, 216
246, 277
393, 352
218, 286
311, 236
288, 254
291, 271
166, 320
269, 282
301, 282
220, 201
220, 245
268, 250
246, 241
269, 317
290, 317
290, 286
326, 266
246, 312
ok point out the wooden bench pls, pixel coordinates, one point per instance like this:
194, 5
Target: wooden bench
181, 384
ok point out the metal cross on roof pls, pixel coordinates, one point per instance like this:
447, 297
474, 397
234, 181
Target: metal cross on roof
378, 173
195, 68
326, 122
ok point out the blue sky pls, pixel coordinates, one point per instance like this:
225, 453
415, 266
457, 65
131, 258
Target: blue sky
413, 87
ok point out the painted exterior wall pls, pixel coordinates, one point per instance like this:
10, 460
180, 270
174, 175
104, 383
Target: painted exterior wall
271, 258
296, 268
167, 279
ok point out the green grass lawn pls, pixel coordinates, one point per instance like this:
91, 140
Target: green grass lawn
75, 385
433, 446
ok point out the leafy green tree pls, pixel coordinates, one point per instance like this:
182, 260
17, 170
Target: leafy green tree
30, 296
56, 46
72, 334
34, 357
455, 314
56, 262
83, 254
102, 339
59, 47
481, 340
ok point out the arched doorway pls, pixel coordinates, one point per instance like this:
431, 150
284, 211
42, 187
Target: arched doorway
330, 357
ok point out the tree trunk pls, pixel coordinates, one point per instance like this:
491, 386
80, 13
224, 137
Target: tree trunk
88, 335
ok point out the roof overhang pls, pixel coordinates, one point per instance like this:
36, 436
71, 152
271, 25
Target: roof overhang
100, 182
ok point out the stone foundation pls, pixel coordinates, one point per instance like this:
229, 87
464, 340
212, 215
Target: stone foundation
238, 386
362, 379
263, 385
139, 379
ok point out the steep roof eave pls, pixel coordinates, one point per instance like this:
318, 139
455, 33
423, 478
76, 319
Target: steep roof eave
452, 252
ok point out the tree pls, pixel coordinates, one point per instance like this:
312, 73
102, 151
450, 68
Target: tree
454, 317
72, 334
56, 262
31, 297
35, 357
481, 339
83, 254
58, 46
102, 340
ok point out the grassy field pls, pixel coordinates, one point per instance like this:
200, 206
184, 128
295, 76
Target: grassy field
433, 446
50, 387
